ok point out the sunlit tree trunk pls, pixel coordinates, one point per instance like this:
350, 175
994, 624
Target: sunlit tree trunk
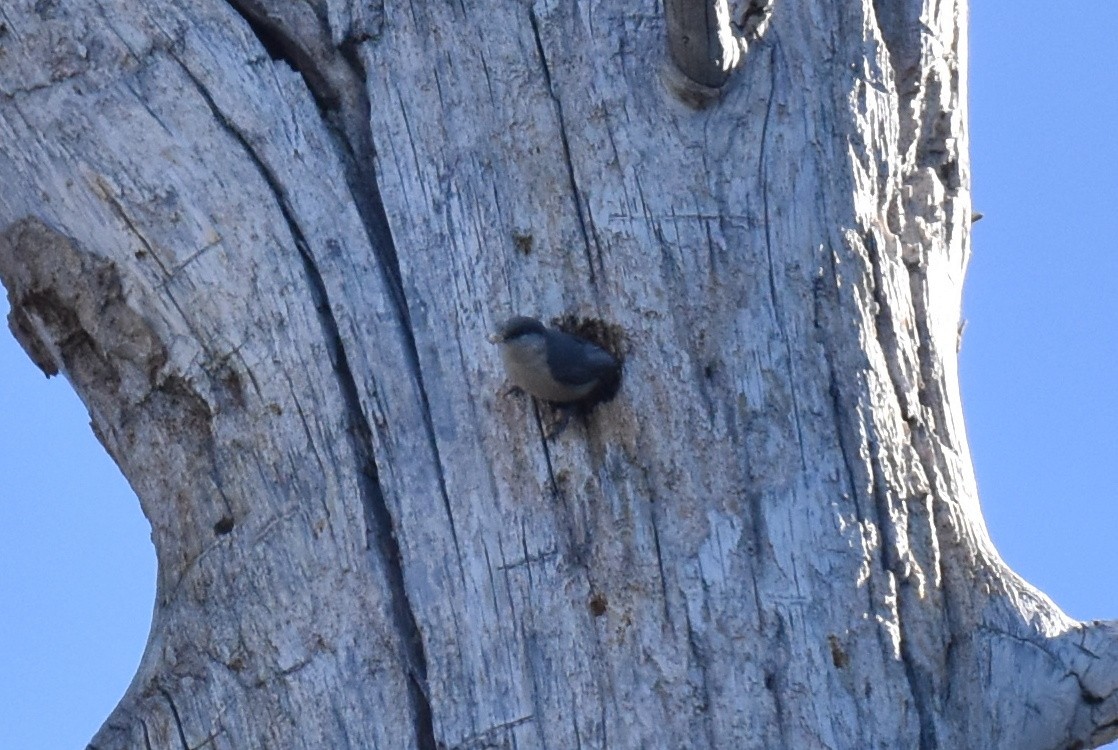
265, 241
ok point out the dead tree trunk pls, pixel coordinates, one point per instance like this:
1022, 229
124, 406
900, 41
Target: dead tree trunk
265, 241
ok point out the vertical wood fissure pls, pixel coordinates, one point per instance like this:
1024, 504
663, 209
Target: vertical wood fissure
379, 523
576, 196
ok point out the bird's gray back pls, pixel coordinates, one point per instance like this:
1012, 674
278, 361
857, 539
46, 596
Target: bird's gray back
575, 361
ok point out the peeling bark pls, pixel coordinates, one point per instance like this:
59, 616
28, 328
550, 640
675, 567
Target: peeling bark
265, 242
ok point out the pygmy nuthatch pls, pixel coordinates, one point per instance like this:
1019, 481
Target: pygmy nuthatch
556, 367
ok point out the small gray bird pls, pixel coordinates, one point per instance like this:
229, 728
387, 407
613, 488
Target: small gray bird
567, 371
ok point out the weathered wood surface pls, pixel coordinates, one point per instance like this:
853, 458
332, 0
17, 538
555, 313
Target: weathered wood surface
265, 242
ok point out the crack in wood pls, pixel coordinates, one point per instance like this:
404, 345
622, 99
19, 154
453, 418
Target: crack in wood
491, 736
379, 522
768, 221
354, 138
875, 509
178, 719
576, 195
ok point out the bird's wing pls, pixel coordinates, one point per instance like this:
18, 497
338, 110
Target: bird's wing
576, 362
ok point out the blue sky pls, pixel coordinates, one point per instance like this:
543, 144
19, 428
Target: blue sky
1039, 356
77, 569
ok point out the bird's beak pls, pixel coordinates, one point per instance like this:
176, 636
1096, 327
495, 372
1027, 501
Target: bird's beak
494, 338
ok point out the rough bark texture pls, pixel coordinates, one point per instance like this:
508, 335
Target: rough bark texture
265, 240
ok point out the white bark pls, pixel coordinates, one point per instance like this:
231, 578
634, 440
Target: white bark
265, 242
